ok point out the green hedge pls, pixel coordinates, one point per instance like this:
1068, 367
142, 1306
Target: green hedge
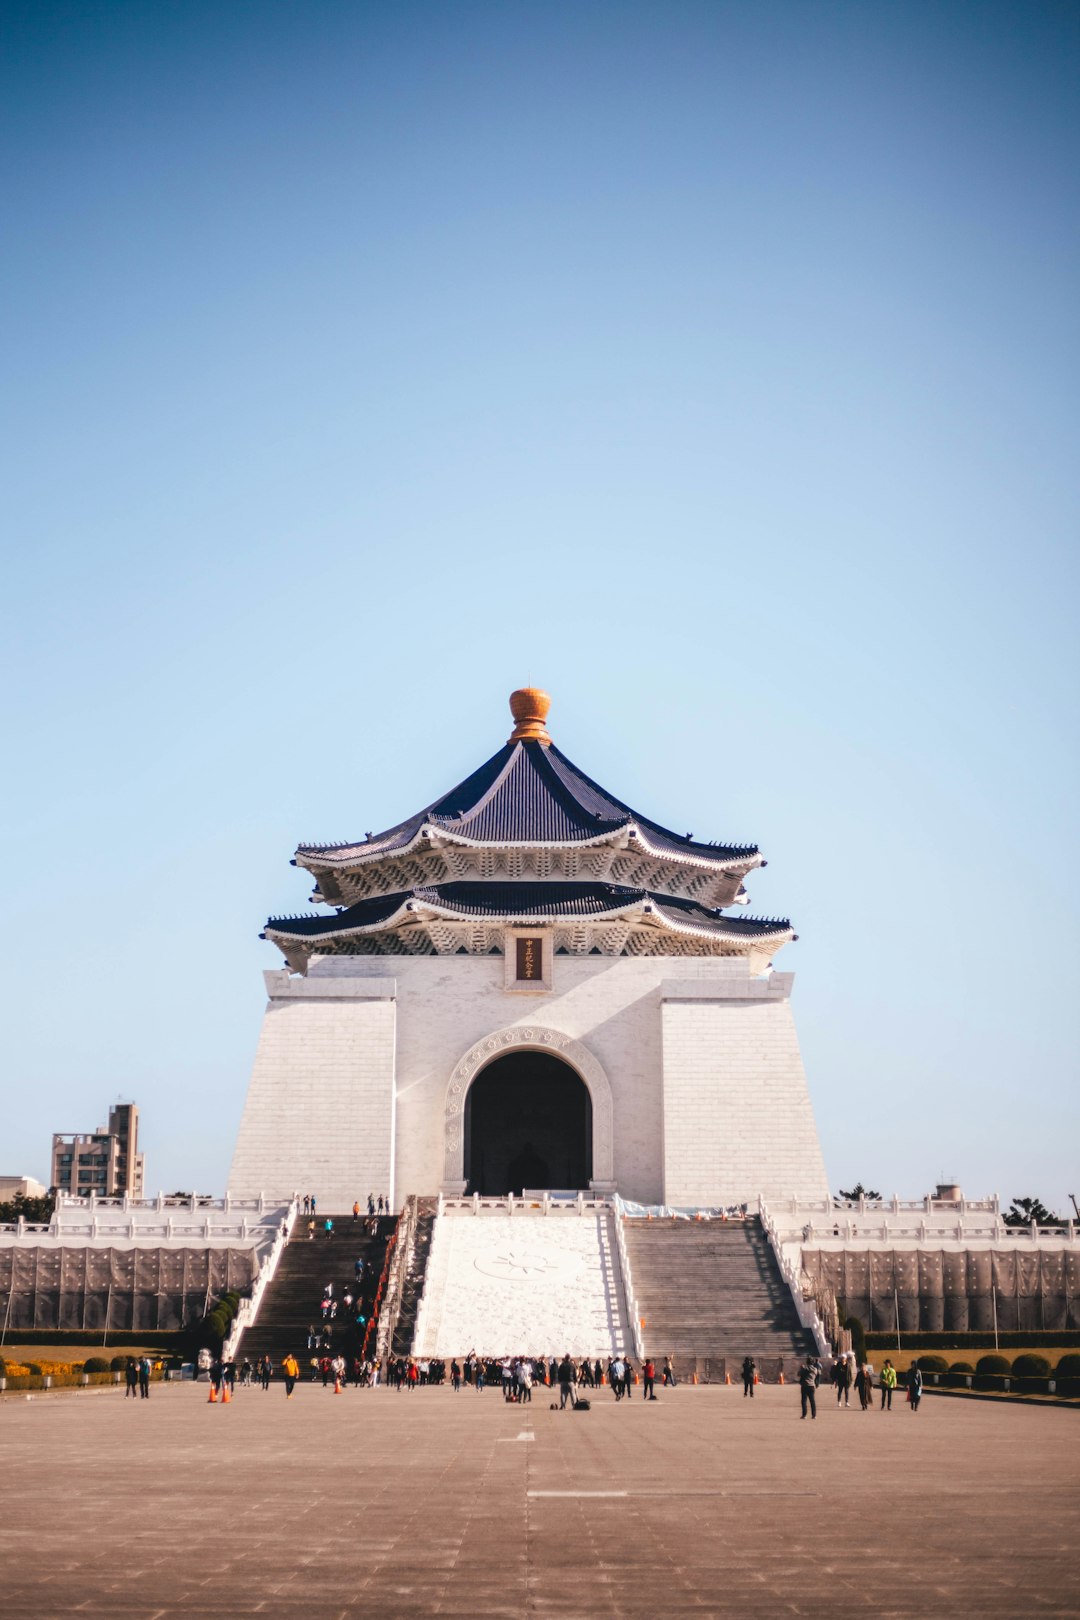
158, 1339
1063, 1338
71, 1380
1067, 1373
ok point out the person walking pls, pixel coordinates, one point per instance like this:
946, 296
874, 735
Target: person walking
455, 1376
144, 1377
328, 1227
370, 1205
888, 1384
669, 1372
864, 1385
290, 1367
845, 1377
566, 1382
265, 1369
808, 1380
914, 1386
131, 1377
749, 1369
313, 1205
648, 1375
355, 1211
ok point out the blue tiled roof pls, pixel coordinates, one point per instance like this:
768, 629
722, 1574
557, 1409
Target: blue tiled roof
527, 900
527, 793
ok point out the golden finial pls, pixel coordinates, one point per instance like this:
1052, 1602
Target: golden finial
529, 707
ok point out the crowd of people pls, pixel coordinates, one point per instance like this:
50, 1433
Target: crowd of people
377, 1204
850, 1377
516, 1377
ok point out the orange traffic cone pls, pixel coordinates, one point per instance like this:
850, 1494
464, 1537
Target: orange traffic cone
780, 1380
694, 1379
213, 1393
635, 1378
727, 1378
756, 1379
337, 1385
226, 1397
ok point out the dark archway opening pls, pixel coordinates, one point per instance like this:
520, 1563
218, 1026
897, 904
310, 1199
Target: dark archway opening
528, 1123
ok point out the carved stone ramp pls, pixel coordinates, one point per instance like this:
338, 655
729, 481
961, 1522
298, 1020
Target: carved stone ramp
540, 1284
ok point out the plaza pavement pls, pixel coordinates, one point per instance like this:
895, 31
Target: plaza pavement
383, 1505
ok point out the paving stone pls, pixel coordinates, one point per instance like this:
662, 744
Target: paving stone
334, 1508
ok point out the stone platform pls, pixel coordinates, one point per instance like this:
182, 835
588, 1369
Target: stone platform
374, 1503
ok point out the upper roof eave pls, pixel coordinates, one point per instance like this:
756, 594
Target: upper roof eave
629, 834
528, 795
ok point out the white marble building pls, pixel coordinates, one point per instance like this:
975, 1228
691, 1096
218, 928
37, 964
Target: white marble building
529, 984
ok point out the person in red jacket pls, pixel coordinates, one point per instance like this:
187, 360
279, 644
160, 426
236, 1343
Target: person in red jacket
648, 1374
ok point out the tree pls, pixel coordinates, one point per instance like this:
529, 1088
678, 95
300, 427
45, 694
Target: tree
38, 1211
1026, 1210
857, 1192
858, 1338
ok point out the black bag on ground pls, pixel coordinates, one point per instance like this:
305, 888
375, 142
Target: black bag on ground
582, 1406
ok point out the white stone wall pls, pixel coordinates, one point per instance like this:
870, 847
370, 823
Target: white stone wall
708, 1096
319, 1115
737, 1115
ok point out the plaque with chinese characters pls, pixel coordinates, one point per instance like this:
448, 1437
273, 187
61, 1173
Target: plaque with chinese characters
530, 959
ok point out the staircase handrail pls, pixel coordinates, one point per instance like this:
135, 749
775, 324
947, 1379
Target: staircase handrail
380, 1293
629, 1296
403, 1242
805, 1309
248, 1309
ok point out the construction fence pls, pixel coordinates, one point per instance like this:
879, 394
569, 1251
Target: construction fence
936, 1290
99, 1289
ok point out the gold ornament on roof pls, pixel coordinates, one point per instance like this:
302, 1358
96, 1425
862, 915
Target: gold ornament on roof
529, 707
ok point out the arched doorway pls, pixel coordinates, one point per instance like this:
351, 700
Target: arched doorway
528, 1123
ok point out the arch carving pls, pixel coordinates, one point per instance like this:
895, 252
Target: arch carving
529, 1038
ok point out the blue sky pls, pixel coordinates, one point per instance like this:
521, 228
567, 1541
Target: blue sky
713, 365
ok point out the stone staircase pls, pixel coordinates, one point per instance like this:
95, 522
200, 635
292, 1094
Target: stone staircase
711, 1293
292, 1299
